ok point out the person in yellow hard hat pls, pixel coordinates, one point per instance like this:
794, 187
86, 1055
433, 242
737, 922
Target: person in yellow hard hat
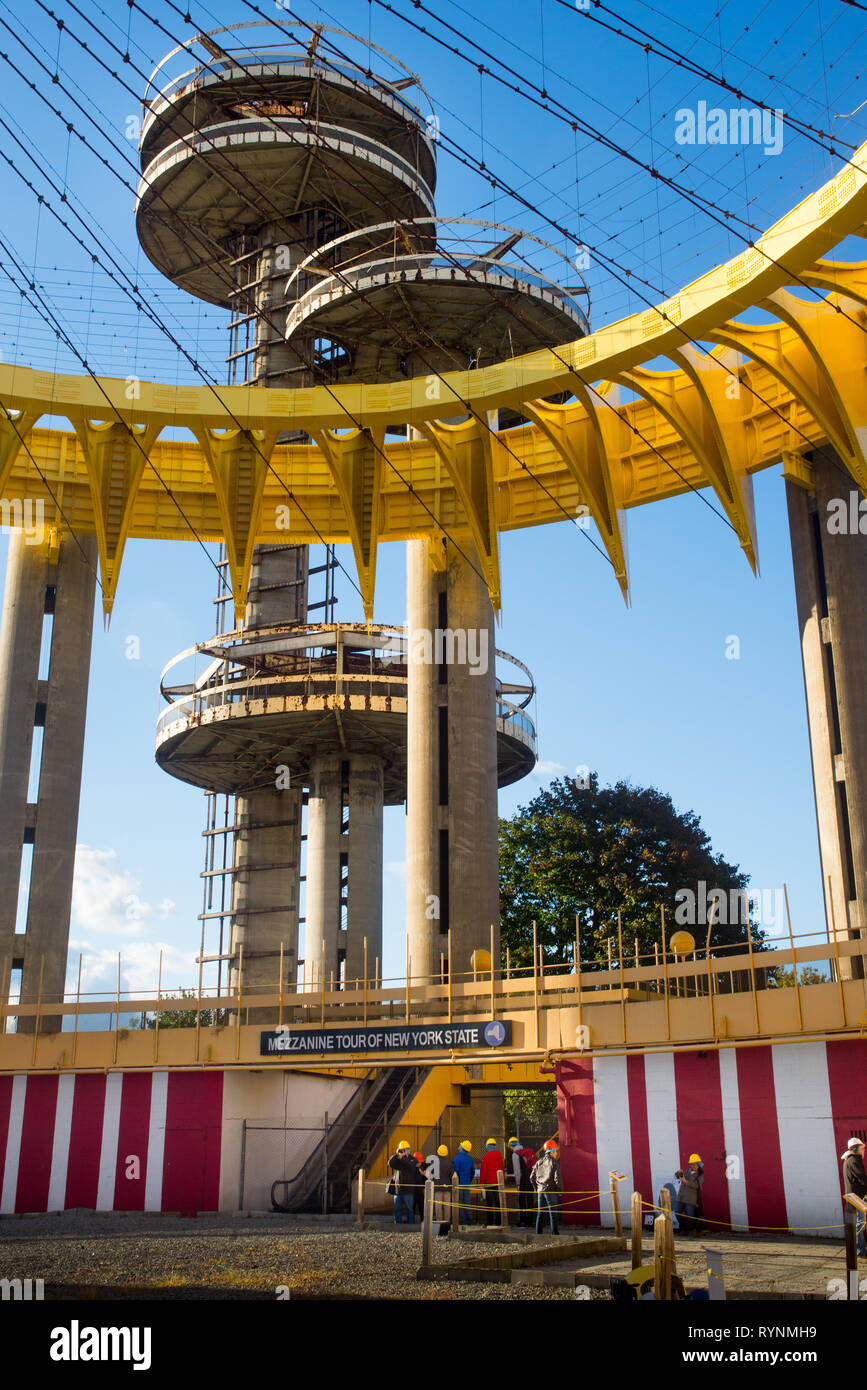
465, 1168
403, 1184
438, 1169
688, 1206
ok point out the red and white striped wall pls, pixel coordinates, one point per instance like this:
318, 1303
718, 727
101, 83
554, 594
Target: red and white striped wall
157, 1140
128, 1141
769, 1123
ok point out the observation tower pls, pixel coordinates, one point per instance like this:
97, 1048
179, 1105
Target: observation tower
294, 186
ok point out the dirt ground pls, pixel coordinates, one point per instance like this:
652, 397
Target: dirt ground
83, 1254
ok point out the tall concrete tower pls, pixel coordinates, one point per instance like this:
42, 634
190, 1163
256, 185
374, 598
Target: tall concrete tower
295, 187
45, 641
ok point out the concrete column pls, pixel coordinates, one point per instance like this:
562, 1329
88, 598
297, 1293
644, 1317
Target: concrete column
265, 900
452, 859
829, 556
24, 601
59, 703
364, 914
474, 895
426, 809
322, 924
268, 841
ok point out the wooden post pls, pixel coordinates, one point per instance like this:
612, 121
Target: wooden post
504, 1206
664, 1199
661, 1270
637, 1219
456, 1203
427, 1225
613, 1180
853, 1206
360, 1200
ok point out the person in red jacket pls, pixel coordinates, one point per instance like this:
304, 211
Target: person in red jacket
492, 1164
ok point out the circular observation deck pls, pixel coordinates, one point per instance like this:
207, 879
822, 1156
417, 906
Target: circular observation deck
477, 293
244, 136
279, 696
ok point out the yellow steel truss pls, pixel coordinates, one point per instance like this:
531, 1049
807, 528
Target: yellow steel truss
738, 398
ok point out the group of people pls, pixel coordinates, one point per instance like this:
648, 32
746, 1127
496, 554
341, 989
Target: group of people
529, 1174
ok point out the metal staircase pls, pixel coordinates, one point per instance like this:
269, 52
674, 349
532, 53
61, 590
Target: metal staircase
324, 1182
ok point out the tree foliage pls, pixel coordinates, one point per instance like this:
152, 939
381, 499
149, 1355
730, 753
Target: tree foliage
589, 852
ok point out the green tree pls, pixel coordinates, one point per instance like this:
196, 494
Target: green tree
183, 1018
589, 852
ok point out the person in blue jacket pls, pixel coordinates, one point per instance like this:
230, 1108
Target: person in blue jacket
466, 1170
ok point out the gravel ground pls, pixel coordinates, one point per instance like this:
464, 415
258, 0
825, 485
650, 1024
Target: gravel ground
133, 1255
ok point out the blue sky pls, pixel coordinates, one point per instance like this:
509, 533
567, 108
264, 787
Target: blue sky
644, 693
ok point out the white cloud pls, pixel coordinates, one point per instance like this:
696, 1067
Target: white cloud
547, 769
106, 898
139, 972
397, 867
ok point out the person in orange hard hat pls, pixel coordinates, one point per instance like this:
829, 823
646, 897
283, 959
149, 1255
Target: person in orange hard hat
492, 1164
688, 1206
548, 1183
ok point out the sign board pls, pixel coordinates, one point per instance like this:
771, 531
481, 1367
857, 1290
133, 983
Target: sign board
385, 1038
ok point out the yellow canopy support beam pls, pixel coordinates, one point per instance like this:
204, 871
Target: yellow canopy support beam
238, 460
356, 463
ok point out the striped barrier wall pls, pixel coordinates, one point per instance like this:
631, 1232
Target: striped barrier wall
769, 1123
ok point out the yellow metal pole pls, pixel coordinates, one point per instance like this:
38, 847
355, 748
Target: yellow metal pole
77, 1006
508, 964
578, 981
710, 983
794, 961
665, 979
280, 1006
198, 1008
4, 994
364, 1003
159, 1000
753, 979
240, 995
637, 958
39, 1014
493, 1005
449, 944
536, 981
622, 984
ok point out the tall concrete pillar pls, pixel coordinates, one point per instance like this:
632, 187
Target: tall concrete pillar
36, 584
452, 849
265, 898
364, 908
324, 824
829, 554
